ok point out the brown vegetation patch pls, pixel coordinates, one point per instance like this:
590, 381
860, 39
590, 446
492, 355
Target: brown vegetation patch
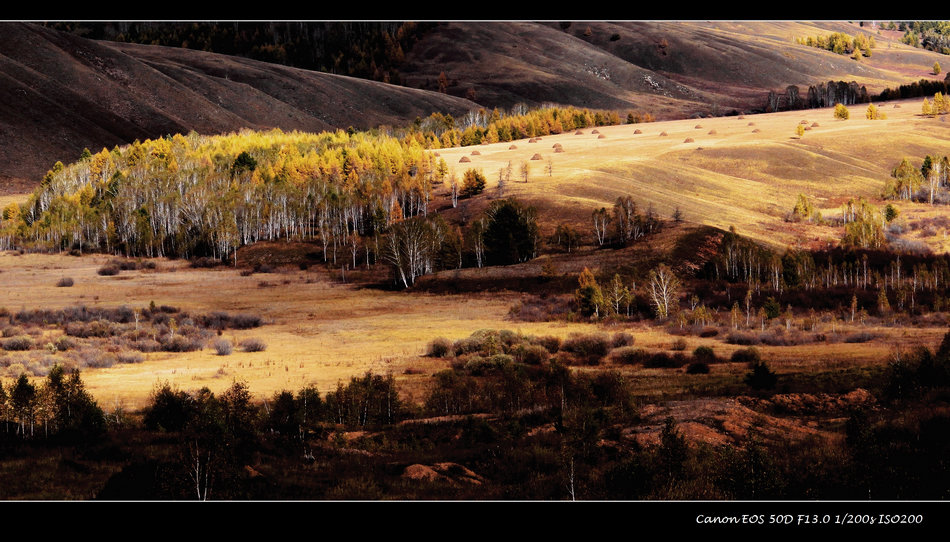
445, 472
719, 421
811, 404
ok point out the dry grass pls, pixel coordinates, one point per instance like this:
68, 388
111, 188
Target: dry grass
316, 331
731, 177
320, 331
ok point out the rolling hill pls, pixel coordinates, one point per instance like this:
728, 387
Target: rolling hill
60, 93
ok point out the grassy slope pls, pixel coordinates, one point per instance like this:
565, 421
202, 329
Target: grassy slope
323, 331
743, 172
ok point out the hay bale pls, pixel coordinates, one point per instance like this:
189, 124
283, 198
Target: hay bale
638, 131
751, 124
814, 125
601, 136
513, 147
688, 140
536, 156
712, 132
756, 131
556, 146
699, 126
533, 140
464, 159
741, 117
578, 133
594, 131
803, 122
559, 149
897, 106
476, 153
662, 134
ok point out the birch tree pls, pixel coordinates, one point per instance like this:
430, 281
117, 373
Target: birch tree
664, 289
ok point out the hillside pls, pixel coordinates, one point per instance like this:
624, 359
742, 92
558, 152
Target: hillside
672, 69
60, 93
742, 171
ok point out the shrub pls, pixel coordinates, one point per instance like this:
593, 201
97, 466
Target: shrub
64, 343
622, 339
860, 337
479, 365
253, 344
746, 355
589, 348
697, 367
130, 357
704, 354
761, 377
146, 345
108, 270
530, 354
96, 358
663, 360
709, 332
678, 344
439, 348
64, 282
629, 355
223, 347
180, 343
738, 337
12, 331
20, 342
550, 343
206, 262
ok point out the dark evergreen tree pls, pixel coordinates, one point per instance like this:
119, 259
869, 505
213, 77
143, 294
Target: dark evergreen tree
511, 233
